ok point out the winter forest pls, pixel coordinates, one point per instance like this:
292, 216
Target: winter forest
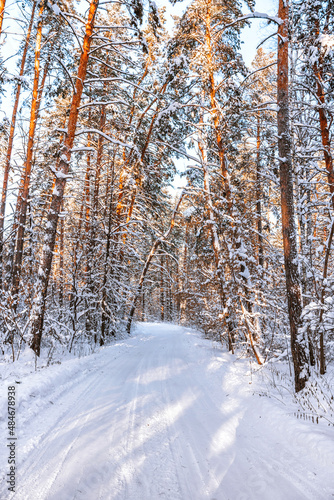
148, 174
102, 104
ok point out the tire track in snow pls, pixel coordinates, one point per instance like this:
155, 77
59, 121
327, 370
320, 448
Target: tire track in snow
129, 472
194, 480
163, 426
34, 464
148, 433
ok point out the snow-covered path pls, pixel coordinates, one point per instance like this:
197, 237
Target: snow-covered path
165, 415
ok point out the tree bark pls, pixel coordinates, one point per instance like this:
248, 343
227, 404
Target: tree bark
104, 305
324, 126
38, 310
2, 12
92, 285
293, 282
215, 115
322, 302
259, 193
22, 200
215, 240
11, 137
61, 265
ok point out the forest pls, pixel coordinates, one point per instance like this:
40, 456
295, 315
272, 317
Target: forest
100, 105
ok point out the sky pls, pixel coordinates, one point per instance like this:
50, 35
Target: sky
251, 36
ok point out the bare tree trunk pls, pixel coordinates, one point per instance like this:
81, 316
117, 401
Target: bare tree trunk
38, 310
22, 200
323, 120
169, 291
143, 307
11, 135
215, 114
87, 202
137, 163
61, 266
182, 282
215, 241
259, 193
2, 12
92, 285
293, 282
104, 305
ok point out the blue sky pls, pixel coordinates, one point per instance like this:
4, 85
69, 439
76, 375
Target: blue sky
253, 35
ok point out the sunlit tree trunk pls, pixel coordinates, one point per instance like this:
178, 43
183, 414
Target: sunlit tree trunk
91, 261
38, 310
22, 200
217, 120
11, 136
215, 114
2, 12
323, 119
61, 264
259, 193
293, 282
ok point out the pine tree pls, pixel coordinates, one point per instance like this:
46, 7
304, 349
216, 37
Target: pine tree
293, 281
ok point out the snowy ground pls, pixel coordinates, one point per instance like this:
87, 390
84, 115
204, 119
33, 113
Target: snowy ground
162, 415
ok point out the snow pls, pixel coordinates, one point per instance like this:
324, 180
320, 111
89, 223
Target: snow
327, 42
257, 15
107, 137
276, 19
55, 8
166, 113
163, 414
246, 274
188, 212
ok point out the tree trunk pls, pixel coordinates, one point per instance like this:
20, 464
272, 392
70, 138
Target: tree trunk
293, 283
2, 12
322, 302
22, 200
216, 118
104, 306
120, 204
38, 310
259, 193
91, 261
215, 241
11, 136
61, 265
